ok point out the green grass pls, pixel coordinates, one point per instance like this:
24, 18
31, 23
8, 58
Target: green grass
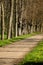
5, 36
6, 41
34, 56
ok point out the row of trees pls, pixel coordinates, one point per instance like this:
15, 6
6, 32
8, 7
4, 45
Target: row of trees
19, 17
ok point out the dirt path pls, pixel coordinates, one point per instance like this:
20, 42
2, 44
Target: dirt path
13, 53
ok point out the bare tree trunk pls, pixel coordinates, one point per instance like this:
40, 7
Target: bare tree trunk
16, 28
12, 31
17, 18
11, 19
21, 15
2, 21
0, 18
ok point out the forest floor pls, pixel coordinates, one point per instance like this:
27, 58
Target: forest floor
13, 53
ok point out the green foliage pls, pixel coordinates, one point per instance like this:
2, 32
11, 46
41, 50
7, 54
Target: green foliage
34, 56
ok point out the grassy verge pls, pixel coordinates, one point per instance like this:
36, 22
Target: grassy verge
4, 42
34, 56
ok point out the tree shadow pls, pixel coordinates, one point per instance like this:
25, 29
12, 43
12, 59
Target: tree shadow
33, 63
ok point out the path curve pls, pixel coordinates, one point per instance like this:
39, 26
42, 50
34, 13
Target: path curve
13, 53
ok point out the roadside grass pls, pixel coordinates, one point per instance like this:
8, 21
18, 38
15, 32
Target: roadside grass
5, 36
6, 41
35, 56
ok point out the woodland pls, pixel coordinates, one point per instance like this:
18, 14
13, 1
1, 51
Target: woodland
20, 17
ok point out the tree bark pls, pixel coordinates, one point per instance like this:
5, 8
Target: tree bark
21, 3
2, 21
17, 17
11, 19
0, 18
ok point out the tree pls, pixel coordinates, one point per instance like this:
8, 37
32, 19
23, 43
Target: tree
11, 19
2, 21
17, 17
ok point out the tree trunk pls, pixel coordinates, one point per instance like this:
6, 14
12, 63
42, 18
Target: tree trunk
12, 31
17, 17
0, 18
2, 21
21, 3
11, 19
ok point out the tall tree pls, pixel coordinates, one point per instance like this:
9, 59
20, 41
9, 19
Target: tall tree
2, 21
11, 19
17, 17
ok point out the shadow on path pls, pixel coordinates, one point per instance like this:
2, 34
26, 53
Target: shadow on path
33, 63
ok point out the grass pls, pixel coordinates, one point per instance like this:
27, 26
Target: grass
6, 41
34, 56
5, 36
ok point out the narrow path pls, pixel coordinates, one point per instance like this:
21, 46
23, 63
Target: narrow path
13, 53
